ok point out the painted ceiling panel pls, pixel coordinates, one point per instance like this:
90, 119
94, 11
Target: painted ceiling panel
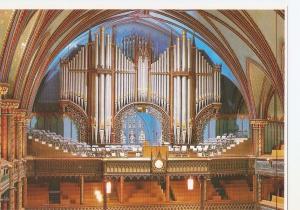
275, 110
268, 28
220, 16
21, 46
197, 16
5, 17
241, 50
256, 77
58, 20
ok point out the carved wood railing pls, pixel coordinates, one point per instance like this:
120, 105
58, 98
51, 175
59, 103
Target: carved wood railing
269, 167
166, 206
64, 167
137, 167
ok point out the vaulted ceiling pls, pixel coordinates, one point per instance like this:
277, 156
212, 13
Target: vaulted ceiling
251, 43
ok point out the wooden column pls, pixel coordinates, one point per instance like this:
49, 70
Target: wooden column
11, 195
11, 138
121, 189
104, 194
258, 135
168, 188
19, 194
20, 141
3, 91
203, 181
81, 190
4, 135
25, 192
24, 138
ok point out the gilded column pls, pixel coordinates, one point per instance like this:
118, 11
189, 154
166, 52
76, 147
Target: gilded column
258, 135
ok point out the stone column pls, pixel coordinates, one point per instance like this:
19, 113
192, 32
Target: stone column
121, 189
81, 190
168, 188
258, 135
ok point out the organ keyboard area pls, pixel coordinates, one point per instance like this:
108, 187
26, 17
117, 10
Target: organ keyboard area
103, 77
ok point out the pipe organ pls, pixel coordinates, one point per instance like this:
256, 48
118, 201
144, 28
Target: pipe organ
103, 77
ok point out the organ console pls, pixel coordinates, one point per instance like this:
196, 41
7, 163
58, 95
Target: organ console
103, 77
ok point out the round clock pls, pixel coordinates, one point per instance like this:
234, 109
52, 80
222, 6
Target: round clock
158, 164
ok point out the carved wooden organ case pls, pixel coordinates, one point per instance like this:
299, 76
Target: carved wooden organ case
103, 77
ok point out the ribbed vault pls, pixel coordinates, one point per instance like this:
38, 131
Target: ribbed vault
53, 30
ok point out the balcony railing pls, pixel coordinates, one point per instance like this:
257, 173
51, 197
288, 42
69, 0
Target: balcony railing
270, 167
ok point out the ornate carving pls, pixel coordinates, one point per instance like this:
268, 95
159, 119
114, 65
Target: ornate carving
153, 109
78, 115
65, 167
3, 88
166, 206
230, 206
202, 118
269, 168
258, 126
9, 104
127, 167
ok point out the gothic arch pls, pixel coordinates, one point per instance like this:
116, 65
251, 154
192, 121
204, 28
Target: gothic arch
153, 109
202, 118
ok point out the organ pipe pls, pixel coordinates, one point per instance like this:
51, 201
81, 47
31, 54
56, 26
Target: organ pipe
86, 79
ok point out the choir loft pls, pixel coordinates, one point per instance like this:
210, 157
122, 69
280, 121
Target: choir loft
142, 109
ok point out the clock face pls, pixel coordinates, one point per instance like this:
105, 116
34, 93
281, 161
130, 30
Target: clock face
158, 164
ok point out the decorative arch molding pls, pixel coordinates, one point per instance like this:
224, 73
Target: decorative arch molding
78, 115
153, 109
42, 60
202, 118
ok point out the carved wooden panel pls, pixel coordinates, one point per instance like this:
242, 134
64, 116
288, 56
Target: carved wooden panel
269, 168
78, 115
202, 118
69, 167
153, 109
